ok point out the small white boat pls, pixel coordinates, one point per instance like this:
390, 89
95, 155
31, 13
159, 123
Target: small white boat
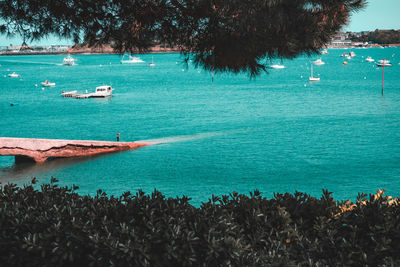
312, 78
69, 61
46, 83
276, 66
325, 52
384, 63
151, 64
318, 62
352, 54
131, 60
101, 91
69, 93
14, 75
369, 59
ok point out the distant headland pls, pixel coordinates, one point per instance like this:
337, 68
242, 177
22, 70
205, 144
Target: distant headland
377, 38
77, 49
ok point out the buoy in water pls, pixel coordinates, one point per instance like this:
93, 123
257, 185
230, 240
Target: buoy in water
345, 63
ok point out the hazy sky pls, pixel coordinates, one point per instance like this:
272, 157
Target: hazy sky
379, 14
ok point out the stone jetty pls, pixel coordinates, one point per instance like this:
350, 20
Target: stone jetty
39, 150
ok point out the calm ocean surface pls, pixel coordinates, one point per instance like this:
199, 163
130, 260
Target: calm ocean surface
277, 133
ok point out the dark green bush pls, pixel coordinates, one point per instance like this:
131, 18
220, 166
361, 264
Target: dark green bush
55, 226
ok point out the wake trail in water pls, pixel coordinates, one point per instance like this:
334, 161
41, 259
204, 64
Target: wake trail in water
32, 62
181, 138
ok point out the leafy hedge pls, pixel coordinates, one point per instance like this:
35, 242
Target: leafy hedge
55, 226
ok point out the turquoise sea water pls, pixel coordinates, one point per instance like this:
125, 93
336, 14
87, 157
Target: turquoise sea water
277, 133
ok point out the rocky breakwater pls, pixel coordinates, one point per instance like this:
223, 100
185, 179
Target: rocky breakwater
39, 150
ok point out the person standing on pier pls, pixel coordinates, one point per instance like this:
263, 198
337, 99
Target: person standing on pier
118, 134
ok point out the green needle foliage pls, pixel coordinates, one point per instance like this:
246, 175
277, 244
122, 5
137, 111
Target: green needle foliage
221, 35
55, 226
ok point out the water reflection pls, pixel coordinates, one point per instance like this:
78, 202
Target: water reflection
19, 172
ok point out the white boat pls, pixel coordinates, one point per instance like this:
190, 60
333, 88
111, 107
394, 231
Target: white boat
369, 59
325, 52
384, 63
69, 61
131, 60
277, 66
352, 54
312, 78
101, 91
152, 63
46, 83
14, 75
348, 57
69, 93
318, 62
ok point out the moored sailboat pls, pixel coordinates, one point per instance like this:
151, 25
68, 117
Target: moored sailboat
312, 78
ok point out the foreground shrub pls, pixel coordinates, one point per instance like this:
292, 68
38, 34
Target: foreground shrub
56, 226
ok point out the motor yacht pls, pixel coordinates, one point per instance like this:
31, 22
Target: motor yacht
69, 61
369, 59
384, 63
101, 91
325, 52
276, 66
131, 60
47, 83
14, 75
318, 62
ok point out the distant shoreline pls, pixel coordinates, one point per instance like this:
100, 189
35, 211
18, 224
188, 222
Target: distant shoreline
368, 46
158, 50
89, 51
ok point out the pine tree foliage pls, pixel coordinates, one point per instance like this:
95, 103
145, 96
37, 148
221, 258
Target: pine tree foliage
220, 35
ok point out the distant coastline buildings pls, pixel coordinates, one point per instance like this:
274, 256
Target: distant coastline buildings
343, 40
34, 49
365, 39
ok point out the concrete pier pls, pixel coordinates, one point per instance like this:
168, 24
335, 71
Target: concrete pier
39, 150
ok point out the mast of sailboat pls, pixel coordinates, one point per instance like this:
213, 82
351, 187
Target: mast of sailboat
312, 73
110, 74
383, 74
